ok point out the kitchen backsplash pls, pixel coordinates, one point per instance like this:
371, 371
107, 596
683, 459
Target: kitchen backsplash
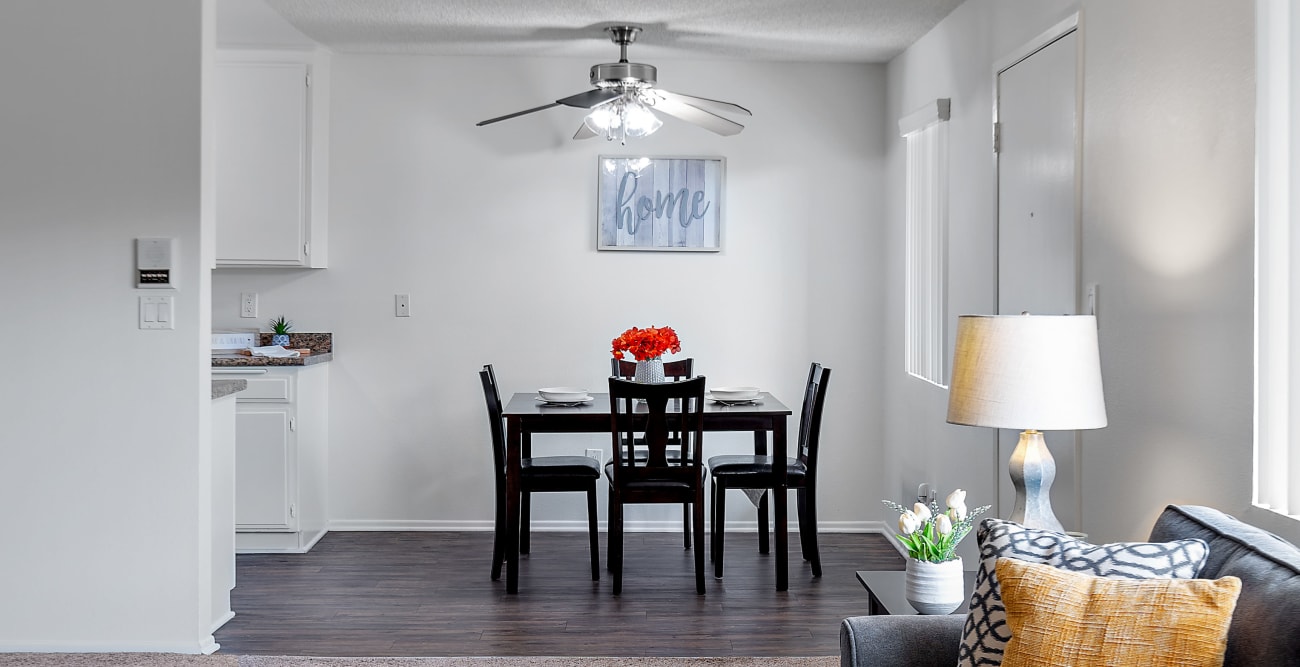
317, 342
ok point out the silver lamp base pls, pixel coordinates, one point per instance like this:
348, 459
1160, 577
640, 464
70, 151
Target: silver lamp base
1032, 470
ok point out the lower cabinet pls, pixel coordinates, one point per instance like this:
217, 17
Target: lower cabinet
281, 450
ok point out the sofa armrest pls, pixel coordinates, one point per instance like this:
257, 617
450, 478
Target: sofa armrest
900, 641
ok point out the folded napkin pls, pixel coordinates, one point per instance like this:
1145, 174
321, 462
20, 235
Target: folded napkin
273, 351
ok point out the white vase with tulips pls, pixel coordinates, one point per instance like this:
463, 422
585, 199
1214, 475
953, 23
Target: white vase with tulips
934, 583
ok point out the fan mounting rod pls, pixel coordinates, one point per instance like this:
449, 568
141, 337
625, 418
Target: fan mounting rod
623, 74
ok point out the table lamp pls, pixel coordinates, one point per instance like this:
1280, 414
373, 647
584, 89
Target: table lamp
1032, 373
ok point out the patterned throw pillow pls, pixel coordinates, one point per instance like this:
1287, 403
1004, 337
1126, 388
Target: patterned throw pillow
985, 635
1070, 618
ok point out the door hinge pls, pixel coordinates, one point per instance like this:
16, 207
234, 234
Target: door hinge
997, 137
293, 424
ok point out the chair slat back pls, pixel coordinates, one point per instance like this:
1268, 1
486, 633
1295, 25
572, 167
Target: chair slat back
495, 419
810, 417
670, 410
679, 369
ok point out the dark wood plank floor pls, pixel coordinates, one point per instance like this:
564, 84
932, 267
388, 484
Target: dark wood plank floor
430, 594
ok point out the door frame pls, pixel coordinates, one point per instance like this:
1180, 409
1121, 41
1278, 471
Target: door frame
1068, 25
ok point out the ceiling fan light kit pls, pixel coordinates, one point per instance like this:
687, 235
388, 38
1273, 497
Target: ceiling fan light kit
623, 102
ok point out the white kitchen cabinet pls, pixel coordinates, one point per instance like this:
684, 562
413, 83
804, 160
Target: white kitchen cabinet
281, 452
270, 147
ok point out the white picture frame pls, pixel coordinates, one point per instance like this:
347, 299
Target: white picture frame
672, 203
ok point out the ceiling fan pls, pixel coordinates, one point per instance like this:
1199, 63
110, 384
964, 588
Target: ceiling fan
625, 98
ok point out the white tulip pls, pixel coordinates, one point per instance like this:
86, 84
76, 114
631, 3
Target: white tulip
908, 523
922, 512
943, 524
957, 505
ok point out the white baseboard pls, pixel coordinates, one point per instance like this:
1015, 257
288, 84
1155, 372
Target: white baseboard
580, 526
225, 618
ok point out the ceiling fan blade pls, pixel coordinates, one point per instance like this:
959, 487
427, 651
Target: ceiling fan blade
584, 100
590, 98
696, 116
515, 114
584, 132
702, 102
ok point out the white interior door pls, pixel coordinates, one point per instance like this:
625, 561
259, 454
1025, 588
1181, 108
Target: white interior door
1038, 248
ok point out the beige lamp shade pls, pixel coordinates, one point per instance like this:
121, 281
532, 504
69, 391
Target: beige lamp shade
1022, 372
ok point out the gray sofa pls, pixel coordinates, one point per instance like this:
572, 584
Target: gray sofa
1265, 627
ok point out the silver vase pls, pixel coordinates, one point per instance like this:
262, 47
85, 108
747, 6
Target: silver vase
650, 371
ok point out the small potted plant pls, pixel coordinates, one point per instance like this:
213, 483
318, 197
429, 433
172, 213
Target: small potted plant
280, 328
647, 346
934, 583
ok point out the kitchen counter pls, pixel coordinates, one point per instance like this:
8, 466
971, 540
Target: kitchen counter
222, 388
241, 361
320, 344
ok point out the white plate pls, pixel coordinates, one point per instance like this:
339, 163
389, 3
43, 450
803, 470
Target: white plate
584, 399
563, 394
733, 393
729, 401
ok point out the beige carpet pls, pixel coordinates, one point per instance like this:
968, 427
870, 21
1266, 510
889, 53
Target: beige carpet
219, 660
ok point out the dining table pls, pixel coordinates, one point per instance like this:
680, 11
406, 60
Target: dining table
526, 414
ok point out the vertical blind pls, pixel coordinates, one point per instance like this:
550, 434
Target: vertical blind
926, 252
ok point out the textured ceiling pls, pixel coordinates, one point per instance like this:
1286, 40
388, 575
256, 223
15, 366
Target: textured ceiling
773, 30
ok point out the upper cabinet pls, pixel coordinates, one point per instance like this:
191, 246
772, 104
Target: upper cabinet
271, 147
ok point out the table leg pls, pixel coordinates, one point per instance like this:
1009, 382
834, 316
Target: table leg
782, 519
760, 449
514, 438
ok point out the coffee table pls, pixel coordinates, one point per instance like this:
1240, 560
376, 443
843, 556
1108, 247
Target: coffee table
885, 591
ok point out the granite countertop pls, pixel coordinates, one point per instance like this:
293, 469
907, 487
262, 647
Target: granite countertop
222, 388
320, 344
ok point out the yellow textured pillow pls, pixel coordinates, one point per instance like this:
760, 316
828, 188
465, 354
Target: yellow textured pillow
1060, 618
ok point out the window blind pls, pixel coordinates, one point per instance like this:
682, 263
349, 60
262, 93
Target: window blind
926, 252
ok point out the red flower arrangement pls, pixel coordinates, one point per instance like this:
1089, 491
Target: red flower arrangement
647, 343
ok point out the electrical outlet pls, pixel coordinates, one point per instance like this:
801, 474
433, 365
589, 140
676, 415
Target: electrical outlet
598, 454
248, 304
402, 304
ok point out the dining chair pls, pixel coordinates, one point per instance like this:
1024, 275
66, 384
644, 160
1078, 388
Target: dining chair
748, 471
670, 407
536, 474
675, 371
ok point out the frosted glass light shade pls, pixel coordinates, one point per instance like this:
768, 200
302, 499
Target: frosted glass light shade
1021, 372
622, 118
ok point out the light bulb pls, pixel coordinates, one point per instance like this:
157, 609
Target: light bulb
601, 118
640, 121
621, 118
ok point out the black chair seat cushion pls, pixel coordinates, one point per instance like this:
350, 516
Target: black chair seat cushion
734, 469
560, 466
649, 484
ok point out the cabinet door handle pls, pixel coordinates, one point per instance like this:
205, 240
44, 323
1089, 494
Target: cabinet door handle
293, 424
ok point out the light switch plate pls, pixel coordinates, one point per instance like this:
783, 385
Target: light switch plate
156, 312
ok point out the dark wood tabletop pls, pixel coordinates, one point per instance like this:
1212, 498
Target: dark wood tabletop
886, 591
526, 415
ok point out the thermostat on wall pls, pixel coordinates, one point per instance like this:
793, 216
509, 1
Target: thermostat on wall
154, 262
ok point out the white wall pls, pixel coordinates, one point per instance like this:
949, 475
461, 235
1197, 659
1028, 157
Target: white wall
1168, 233
1167, 184
101, 424
491, 231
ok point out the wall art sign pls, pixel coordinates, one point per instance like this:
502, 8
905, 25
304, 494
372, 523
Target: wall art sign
660, 203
